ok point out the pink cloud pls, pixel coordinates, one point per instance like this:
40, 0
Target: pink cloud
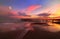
32, 8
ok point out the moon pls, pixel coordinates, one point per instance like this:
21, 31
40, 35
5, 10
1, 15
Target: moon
10, 7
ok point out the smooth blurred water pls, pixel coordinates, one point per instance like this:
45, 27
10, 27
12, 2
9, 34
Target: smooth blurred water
51, 27
16, 30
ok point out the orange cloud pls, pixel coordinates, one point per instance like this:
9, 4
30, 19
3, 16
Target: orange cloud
53, 10
57, 11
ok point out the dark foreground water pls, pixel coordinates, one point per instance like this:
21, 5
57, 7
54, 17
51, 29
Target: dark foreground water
42, 31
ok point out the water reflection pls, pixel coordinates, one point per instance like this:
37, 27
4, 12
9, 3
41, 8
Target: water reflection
19, 30
52, 28
6, 27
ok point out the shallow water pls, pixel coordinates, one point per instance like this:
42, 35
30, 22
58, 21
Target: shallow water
51, 27
10, 30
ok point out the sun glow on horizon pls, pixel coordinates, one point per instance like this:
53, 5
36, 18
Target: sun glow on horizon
57, 12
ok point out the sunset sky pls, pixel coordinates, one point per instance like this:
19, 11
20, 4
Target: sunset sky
33, 6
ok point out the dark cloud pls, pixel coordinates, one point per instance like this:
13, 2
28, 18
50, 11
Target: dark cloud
44, 14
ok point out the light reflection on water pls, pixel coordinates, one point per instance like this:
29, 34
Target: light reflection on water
14, 26
52, 28
4, 27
